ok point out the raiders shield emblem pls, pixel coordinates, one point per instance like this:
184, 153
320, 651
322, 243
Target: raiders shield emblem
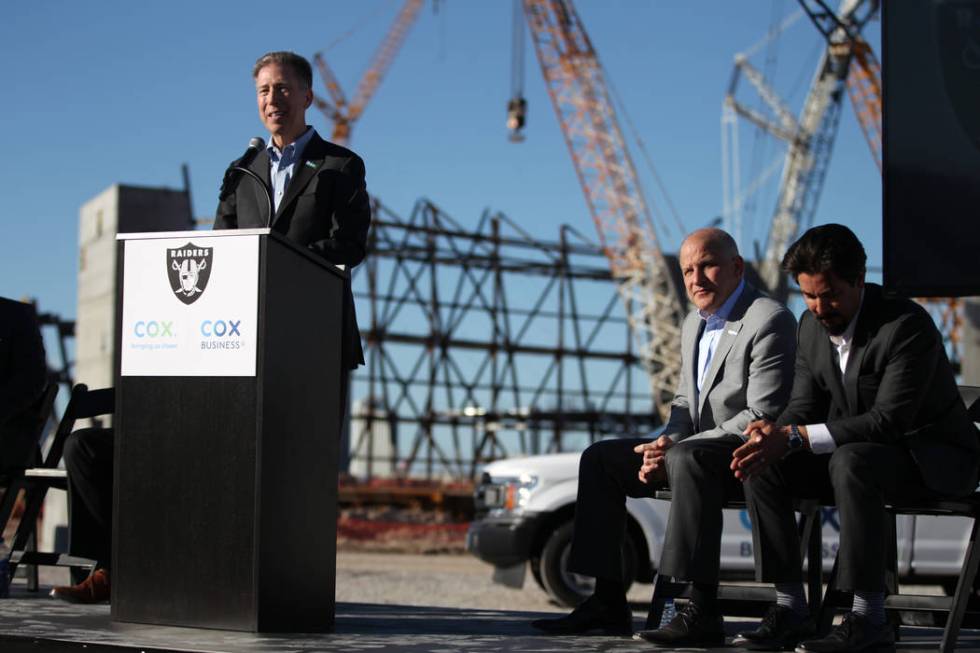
958, 39
189, 268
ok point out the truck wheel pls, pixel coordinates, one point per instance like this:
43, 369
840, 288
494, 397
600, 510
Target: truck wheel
568, 588
535, 564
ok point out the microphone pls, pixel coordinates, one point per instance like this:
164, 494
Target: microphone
255, 145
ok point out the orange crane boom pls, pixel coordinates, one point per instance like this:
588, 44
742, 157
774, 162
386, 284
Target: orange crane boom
344, 114
577, 87
864, 88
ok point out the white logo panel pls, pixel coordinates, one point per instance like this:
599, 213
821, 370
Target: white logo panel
213, 334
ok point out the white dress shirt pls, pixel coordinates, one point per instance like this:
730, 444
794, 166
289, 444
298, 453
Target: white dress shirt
819, 435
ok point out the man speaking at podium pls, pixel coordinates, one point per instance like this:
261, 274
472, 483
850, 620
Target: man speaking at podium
318, 195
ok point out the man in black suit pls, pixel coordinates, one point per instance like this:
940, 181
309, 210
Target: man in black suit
874, 416
318, 191
23, 374
319, 200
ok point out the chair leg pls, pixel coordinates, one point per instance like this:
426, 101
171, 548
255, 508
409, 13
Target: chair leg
831, 599
812, 545
657, 602
32, 580
10, 494
964, 586
891, 555
33, 498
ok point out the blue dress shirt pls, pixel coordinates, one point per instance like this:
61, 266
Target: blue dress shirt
282, 163
714, 323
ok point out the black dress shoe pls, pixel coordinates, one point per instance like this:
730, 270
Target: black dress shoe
592, 615
854, 633
781, 630
691, 627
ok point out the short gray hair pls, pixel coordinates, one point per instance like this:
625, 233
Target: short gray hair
298, 64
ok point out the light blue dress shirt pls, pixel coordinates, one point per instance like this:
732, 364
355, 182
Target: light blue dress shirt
714, 324
282, 163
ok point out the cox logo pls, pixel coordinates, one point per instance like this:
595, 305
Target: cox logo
220, 328
153, 329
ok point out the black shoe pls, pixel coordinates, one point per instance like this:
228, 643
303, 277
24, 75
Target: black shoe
854, 633
781, 630
692, 627
592, 615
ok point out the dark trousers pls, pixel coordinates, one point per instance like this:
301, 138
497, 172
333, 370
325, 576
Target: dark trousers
88, 460
700, 480
859, 478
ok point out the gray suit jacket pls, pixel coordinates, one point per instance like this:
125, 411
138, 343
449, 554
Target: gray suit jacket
751, 373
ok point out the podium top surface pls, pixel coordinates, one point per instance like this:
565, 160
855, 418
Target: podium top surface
224, 233
197, 234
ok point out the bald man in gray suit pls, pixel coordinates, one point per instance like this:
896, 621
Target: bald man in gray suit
738, 347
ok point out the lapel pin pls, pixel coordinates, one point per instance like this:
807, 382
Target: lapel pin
732, 333
311, 165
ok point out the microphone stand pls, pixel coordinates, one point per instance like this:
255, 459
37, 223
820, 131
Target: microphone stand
267, 192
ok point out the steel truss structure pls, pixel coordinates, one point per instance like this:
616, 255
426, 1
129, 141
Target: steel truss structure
487, 343
62, 333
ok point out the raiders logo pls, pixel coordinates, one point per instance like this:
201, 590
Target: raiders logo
189, 268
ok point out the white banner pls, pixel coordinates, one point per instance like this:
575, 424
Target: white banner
190, 305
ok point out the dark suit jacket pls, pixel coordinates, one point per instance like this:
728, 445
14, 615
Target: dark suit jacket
23, 374
898, 389
325, 207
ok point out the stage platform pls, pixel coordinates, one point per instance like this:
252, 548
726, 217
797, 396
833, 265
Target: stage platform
33, 623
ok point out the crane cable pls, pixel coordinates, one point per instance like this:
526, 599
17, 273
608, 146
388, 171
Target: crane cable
358, 26
646, 158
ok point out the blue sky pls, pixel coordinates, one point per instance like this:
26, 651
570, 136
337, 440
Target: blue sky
124, 92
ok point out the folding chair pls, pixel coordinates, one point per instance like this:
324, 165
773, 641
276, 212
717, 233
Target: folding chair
954, 607
43, 408
36, 481
750, 600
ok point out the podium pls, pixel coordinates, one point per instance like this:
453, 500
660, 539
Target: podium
227, 418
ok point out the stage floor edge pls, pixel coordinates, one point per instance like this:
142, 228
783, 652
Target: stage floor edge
38, 624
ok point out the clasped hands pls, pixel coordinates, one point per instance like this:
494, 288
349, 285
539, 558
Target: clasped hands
767, 443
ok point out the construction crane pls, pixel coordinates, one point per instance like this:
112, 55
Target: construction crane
864, 75
809, 138
578, 91
343, 113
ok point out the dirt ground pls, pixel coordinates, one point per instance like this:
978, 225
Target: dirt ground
439, 580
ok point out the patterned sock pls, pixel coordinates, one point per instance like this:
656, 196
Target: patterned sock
870, 605
790, 595
610, 592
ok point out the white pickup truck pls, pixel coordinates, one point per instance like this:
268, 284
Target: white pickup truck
525, 509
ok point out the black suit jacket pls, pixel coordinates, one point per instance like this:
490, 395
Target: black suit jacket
898, 389
325, 207
23, 374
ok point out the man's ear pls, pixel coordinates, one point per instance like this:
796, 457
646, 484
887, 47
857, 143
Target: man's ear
859, 282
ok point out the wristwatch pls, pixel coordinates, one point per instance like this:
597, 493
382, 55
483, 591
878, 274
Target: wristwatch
795, 441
